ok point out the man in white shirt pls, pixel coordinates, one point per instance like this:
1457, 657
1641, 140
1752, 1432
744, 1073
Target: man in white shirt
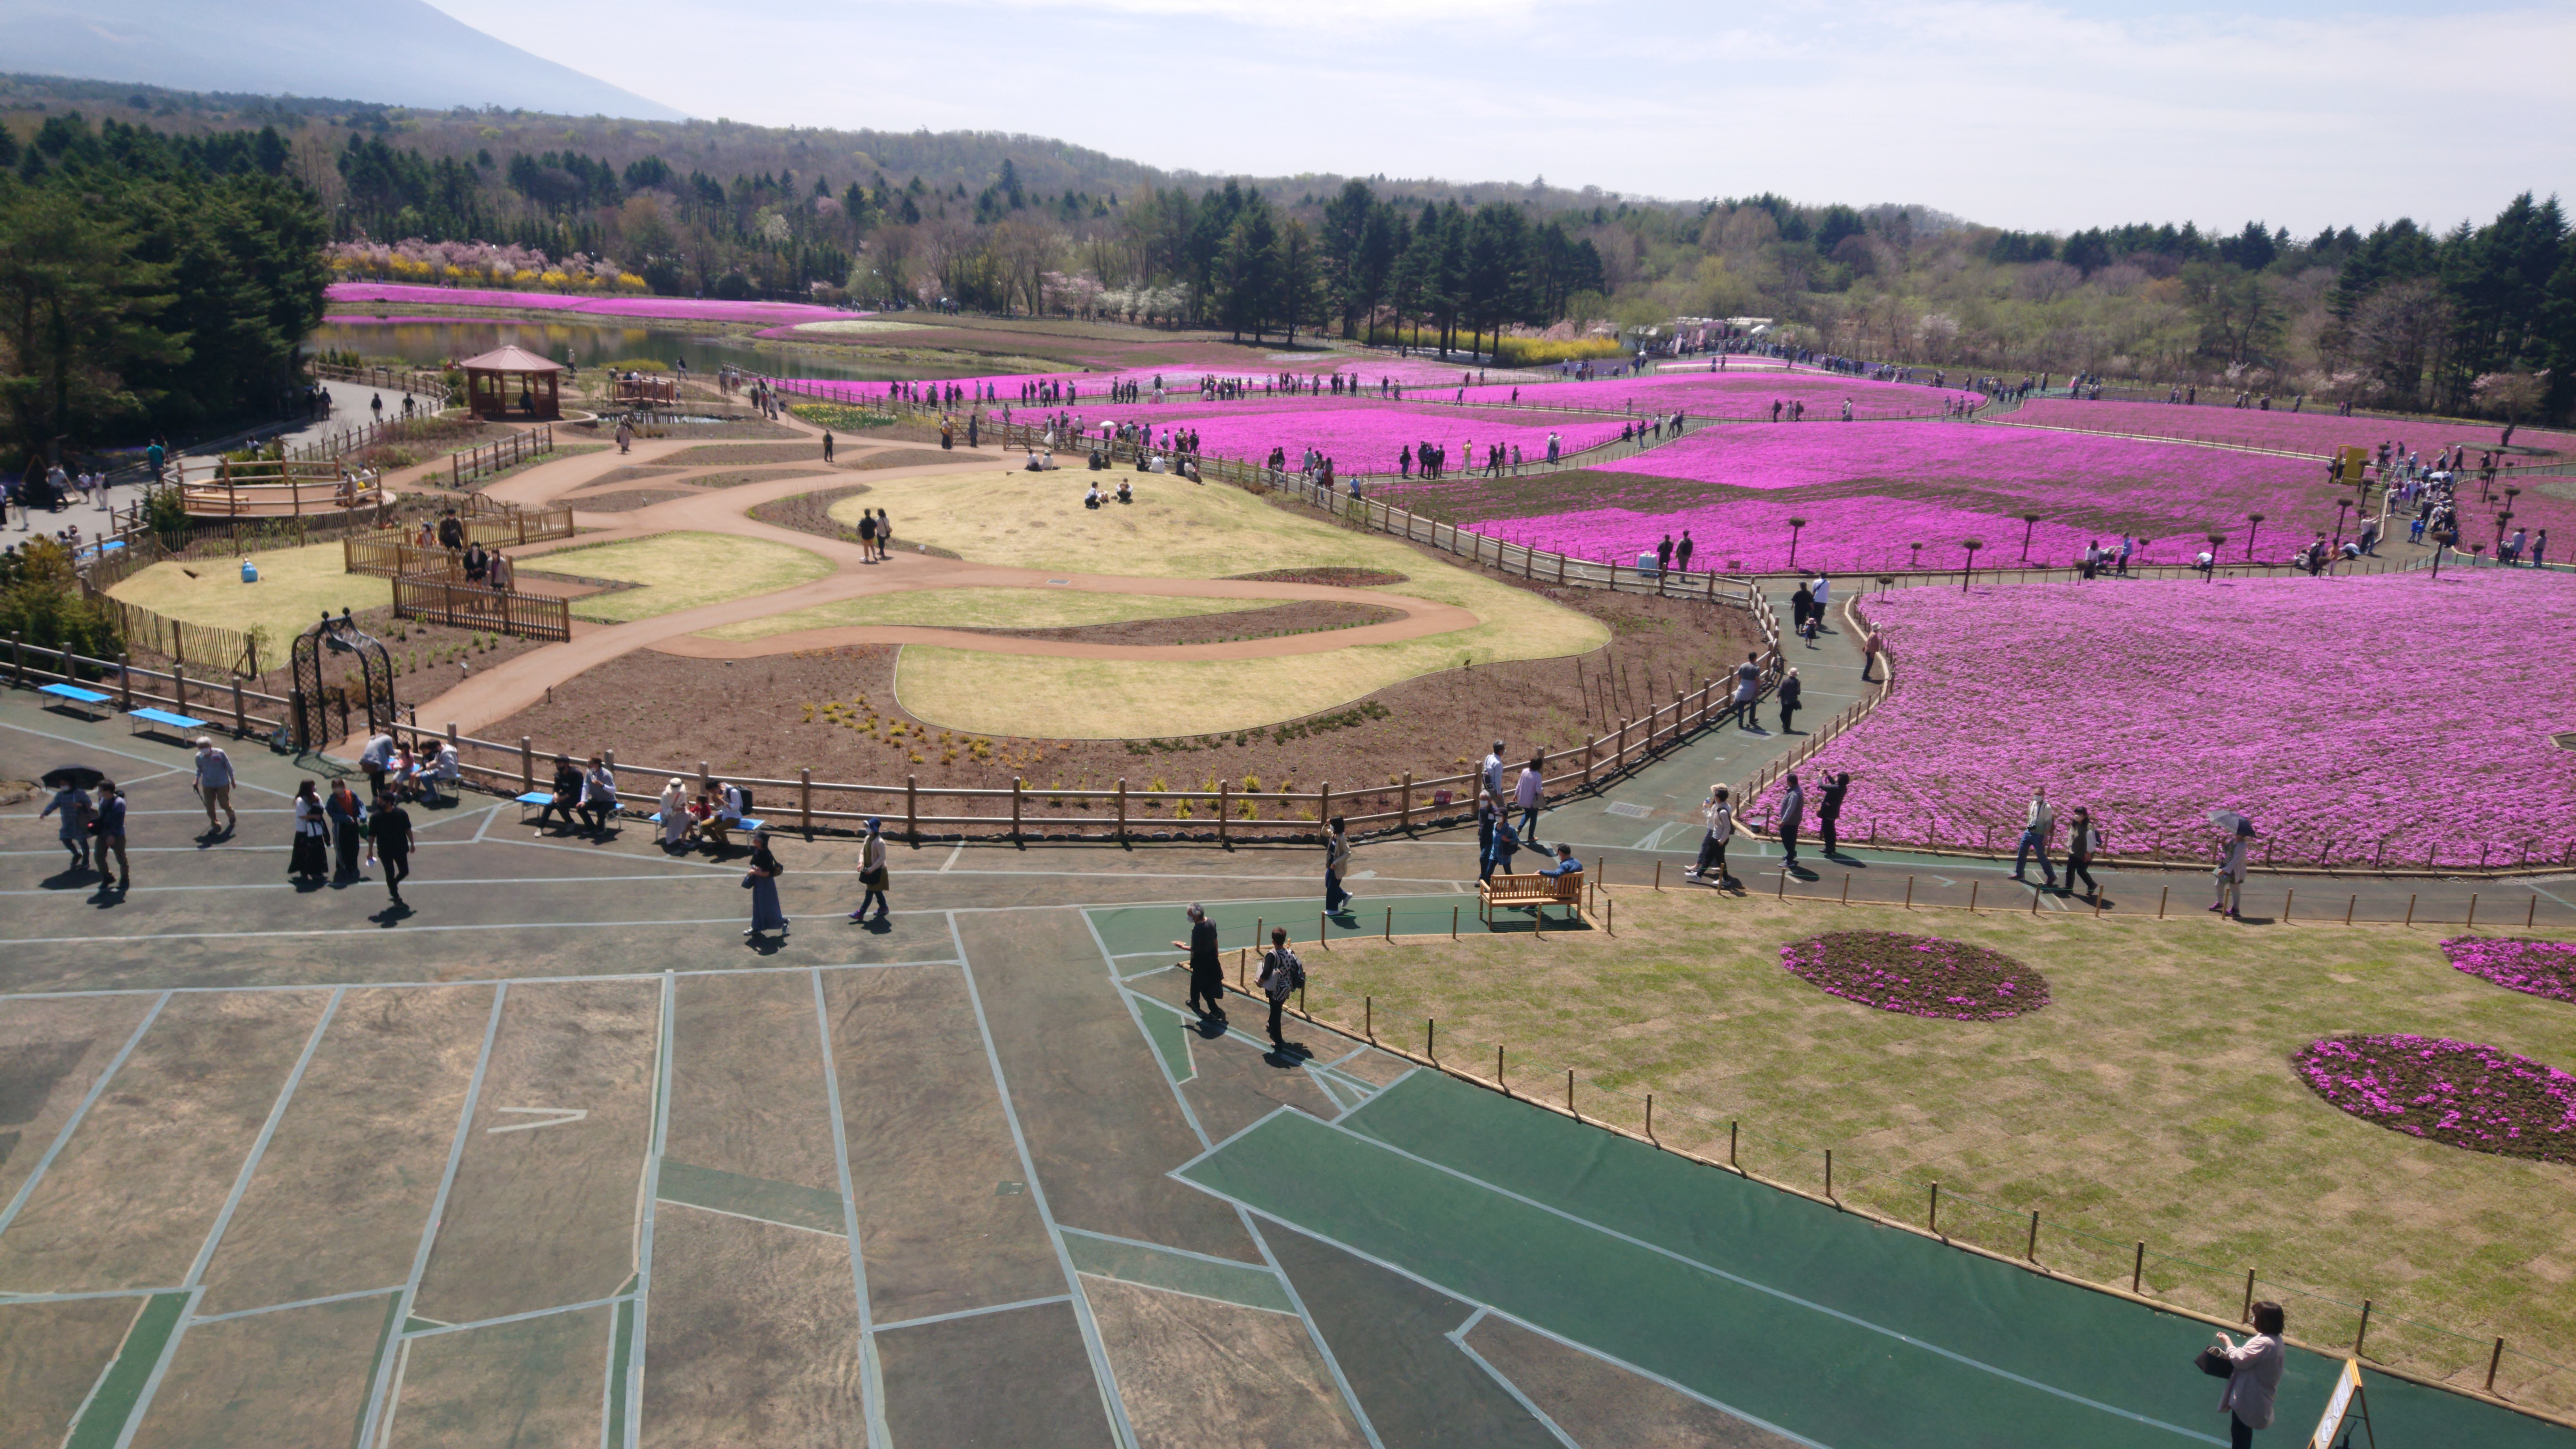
2036, 825
215, 785
1528, 793
1494, 773
1720, 816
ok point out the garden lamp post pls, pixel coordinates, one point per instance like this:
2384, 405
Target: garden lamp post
2029, 522
1917, 562
2217, 541
2342, 507
1795, 524
2439, 544
2253, 523
1971, 545
2504, 520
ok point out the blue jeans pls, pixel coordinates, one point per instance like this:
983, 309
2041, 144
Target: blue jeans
2034, 843
878, 899
1334, 895
1529, 824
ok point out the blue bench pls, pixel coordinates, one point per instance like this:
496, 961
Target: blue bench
74, 694
146, 719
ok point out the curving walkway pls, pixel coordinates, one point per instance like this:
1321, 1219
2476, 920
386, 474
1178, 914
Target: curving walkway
510, 687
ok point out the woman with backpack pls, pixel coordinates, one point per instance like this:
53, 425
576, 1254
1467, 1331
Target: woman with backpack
1282, 975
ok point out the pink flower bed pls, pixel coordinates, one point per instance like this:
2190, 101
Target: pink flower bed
2461, 1093
1733, 394
1870, 491
1366, 438
2535, 968
375, 321
2390, 719
683, 308
2313, 432
1917, 975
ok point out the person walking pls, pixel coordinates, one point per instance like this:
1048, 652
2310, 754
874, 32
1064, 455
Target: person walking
885, 535
2253, 1374
760, 877
73, 829
1823, 591
1499, 851
2233, 856
873, 874
109, 826
1528, 793
391, 830
867, 536
348, 829
1793, 813
311, 858
1337, 864
1492, 770
1682, 552
1829, 811
1487, 812
1790, 690
1720, 816
1206, 968
827, 445
1799, 603
1282, 975
1868, 653
2037, 821
1748, 694
2079, 854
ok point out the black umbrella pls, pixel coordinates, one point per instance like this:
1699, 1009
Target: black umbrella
77, 777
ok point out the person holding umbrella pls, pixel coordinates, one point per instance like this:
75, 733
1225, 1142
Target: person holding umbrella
2236, 844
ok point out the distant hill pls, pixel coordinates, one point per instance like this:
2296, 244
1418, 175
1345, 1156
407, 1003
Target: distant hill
399, 52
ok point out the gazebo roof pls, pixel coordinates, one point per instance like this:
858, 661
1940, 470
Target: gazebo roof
510, 359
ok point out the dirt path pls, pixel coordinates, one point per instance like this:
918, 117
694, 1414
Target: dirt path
509, 688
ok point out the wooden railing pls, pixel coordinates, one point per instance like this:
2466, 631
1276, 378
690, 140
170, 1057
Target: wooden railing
473, 463
459, 605
412, 380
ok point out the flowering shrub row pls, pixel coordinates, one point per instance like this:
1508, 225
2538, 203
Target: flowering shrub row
2536, 968
2456, 1092
2306, 704
2318, 432
1748, 393
688, 308
1917, 975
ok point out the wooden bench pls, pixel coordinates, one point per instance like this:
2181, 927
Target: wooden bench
1540, 891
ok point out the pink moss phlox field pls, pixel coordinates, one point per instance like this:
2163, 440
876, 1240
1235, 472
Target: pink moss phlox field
680, 308
1367, 439
2459, 1093
2535, 968
370, 320
1917, 975
1733, 394
2315, 432
2394, 719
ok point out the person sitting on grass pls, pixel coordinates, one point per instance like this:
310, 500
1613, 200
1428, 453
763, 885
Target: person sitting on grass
1091, 498
1126, 494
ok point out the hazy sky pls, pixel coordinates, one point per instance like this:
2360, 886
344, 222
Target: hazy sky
2301, 113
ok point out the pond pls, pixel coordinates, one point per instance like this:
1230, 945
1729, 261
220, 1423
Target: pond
590, 344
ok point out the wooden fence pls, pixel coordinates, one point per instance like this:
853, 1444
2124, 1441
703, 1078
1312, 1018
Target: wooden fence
413, 380
459, 605
472, 463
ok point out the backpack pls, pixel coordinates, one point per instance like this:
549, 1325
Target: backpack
1292, 972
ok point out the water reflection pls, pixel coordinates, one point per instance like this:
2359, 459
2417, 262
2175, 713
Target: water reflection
592, 344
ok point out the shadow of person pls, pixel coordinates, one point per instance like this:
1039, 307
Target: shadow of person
107, 895
392, 915
70, 877
1294, 1054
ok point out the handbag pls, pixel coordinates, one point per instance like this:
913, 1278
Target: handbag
2215, 1364
874, 880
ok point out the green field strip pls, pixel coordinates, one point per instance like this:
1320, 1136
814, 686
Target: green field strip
1168, 1030
423, 1325
385, 1334
1149, 1266
1859, 1387
757, 1198
102, 1419
620, 1353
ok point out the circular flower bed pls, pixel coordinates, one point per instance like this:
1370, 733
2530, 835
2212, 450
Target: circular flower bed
2456, 1092
1918, 975
2537, 968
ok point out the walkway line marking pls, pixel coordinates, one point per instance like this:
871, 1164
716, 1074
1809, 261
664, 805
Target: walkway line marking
1458, 1338
956, 851
396, 1342
71, 1124
1136, 1016
129, 755
1781, 1294
459, 985
299, 1303
259, 1146
1104, 1377
1313, 1330
974, 1312
555, 1117
1685, 1390
1235, 1263
746, 1217
10, 1299
652, 1188
872, 1384
510, 1318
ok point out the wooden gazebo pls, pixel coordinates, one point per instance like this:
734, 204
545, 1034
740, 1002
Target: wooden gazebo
512, 383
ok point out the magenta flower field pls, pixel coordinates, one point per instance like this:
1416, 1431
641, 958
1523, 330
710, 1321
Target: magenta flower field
2461, 1093
1734, 394
1870, 491
681, 308
2535, 968
2316, 432
1367, 438
2394, 719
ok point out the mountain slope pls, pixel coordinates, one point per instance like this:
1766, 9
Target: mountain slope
405, 52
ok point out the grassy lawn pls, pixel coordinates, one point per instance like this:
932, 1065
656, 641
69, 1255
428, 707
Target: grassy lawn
296, 586
980, 608
678, 571
1179, 529
2153, 1099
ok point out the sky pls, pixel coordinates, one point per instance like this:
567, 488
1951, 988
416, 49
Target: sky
2036, 116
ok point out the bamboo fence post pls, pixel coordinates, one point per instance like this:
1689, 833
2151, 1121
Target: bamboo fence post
2033, 1251
2138, 1273
1405, 803
241, 720
805, 801
2472, 922
2410, 909
1224, 806
124, 680
2494, 1362
1650, 1118
2246, 1315
912, 810
1933, 1223
1730, 1144
1498, 1070
1431, 1037
1016, 784
1122, 809
1569, 1096
528, 767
